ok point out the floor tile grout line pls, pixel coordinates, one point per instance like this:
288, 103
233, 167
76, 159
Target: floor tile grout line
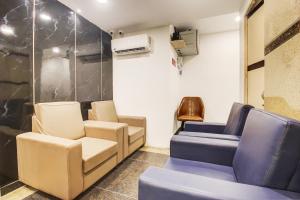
104, 189
142, 161
107, 190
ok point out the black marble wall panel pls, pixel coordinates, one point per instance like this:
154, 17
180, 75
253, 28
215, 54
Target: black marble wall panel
107, 68
62, 71
15, 81
88, 55
54, 52
94, 64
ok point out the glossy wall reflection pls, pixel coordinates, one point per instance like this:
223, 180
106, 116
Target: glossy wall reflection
107, 70
54, 52
15, 81
67, 58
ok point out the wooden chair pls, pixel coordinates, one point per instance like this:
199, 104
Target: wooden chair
190, 109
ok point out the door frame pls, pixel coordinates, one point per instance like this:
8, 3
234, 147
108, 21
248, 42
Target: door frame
252, 8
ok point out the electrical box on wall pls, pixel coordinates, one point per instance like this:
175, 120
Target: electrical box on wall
187, 43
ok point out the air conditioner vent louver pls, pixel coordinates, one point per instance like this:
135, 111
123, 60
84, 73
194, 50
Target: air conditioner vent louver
131, 50
131, 45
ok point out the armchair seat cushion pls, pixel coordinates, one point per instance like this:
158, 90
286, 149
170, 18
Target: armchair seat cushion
95, 151
105, 125
200, 168
211, 135
135, 133
189, 118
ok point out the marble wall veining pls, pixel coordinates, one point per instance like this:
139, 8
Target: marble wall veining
93, 65
107, 67
279, 15
88, 59
68, 58
54, 52
282, 59
15, 80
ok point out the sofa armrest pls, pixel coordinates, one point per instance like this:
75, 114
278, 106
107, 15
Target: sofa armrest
210, 135
50, 164
108, 131
133, 120
159, 184
209, 150
204, 127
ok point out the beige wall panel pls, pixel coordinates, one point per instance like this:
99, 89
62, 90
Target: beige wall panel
256, 87
282, 79
279, 15
256, 36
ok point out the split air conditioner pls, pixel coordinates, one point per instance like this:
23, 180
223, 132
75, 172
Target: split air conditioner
131, 45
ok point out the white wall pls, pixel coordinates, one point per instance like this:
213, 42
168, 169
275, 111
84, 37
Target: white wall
217, 24
214, 74
147, 85
150, 86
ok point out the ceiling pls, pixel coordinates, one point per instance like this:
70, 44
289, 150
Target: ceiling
133, 15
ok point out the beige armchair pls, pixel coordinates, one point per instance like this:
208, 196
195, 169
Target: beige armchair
134, 128
63, 156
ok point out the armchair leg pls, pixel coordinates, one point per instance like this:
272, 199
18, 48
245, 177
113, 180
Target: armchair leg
182, 126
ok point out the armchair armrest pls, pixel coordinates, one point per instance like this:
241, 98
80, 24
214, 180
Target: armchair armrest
51, 164
35, 124
159, 184
133, 120
108, 131
204, 127
209, 150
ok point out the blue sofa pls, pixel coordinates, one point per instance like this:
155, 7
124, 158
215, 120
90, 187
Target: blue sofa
265, 164
232, 130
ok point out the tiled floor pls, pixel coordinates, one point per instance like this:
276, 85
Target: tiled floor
155, 150
121, 183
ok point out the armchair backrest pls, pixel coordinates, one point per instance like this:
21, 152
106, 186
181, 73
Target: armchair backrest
60, 119
237, 118
191, 106
104, 111
269, 152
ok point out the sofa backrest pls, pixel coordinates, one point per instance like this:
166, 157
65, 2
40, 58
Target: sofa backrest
60, 119
269, 152
237, 118
104, 111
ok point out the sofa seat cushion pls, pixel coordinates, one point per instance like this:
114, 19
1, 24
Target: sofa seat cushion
211, 135
190, 118
95, 151
135, 133
105, 125
201, 168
